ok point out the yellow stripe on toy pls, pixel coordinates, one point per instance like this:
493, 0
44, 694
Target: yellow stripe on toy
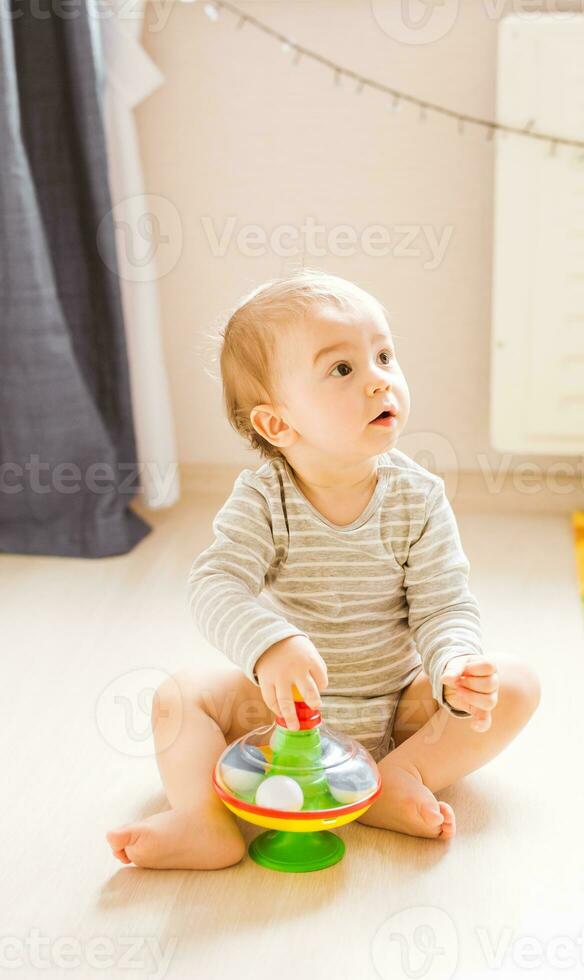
300, 826
578, 525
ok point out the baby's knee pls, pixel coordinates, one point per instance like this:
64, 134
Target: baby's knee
168, 697
519, 685
185, 689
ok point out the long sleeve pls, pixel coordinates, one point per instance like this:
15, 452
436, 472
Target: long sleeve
443, 614
226, 578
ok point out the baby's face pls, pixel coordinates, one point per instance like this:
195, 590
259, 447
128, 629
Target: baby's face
331, 397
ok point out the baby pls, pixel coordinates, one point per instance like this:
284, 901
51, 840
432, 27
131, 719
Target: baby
337, 567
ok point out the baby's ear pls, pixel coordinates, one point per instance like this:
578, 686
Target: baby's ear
271, 426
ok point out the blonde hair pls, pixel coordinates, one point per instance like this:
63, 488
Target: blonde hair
251, 341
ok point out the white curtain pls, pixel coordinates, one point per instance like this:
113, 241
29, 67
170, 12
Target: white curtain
128, 76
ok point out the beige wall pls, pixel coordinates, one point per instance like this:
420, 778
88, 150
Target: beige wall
238, 131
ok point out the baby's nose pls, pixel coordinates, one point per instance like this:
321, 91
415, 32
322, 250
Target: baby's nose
371, 389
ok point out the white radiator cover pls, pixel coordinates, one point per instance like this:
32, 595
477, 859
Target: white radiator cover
537, 347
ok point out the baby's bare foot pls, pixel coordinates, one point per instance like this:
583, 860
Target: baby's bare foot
203, 838
409, 807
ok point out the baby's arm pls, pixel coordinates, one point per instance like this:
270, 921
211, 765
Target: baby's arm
226, 578
443, 614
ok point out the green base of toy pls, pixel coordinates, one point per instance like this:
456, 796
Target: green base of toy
285, 850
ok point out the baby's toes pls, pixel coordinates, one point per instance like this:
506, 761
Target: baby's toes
448, 828
119, 840
431, 814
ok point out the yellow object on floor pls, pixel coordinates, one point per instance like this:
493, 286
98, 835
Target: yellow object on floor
578, 524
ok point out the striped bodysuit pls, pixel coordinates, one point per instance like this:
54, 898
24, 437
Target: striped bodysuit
379, 598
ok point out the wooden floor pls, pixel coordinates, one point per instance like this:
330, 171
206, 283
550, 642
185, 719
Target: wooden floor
81, 637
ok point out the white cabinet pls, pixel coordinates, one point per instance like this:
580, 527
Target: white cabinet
537, 347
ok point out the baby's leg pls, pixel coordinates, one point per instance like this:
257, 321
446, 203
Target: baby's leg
195, 714
441, 749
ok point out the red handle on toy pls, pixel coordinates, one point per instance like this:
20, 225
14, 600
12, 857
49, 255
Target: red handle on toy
307, 717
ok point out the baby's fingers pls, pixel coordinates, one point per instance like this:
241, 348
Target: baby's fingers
275, 702
484, 701
480, 667
309, 691
319, 674
287, 709
269, 696
485, 685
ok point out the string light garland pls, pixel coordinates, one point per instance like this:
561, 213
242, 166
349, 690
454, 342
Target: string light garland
212, 9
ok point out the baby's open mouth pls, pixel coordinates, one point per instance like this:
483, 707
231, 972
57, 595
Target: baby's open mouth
385, 419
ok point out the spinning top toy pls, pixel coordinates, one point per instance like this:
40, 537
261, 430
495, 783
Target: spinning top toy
297, 784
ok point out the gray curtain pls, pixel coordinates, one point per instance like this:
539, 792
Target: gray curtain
68, 467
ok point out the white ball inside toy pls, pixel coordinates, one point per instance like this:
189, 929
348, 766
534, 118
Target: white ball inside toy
241, 780
280, 793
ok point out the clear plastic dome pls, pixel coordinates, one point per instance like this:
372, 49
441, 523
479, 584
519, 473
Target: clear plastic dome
283, 773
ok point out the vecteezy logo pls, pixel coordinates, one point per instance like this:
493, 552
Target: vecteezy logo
148, 232
415, 21
435, 452
124, 708
420, 942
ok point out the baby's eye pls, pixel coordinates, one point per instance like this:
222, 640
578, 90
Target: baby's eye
388, 353
342, 364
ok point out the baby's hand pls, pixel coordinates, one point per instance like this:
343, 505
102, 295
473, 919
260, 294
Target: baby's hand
472, 684
291, 661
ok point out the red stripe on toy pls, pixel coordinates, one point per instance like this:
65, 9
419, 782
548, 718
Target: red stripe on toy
296, 814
